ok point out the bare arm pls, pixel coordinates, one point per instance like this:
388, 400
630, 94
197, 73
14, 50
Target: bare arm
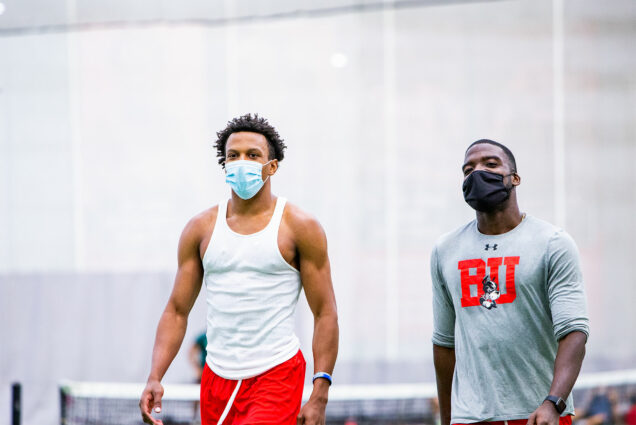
444, 360
566, 369
567, 364
570, 321
315, 273
174, 320
443, 338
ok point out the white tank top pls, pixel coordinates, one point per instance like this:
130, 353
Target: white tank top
251, 294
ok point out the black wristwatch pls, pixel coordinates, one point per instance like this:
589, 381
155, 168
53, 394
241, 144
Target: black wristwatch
558, 402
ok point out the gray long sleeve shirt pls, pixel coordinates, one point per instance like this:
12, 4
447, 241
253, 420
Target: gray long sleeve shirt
503, 302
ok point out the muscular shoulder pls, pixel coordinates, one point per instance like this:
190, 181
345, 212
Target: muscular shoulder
199, 225
304, 226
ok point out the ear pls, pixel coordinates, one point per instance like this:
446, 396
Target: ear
515, 179
272, 167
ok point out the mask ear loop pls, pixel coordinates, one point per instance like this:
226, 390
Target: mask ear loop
512, 186
268, 162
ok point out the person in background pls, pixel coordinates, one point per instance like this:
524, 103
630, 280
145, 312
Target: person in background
630, 416
602, 408
197, 355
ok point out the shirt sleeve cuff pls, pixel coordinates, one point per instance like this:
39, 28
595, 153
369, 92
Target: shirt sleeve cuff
443, 340
581, 326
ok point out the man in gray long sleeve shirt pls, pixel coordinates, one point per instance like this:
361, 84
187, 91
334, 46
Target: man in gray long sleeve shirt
510, 320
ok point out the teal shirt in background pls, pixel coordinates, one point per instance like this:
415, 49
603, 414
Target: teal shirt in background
202, 343
503, 302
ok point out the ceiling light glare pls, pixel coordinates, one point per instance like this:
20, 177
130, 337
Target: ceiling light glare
338, 60
2, 8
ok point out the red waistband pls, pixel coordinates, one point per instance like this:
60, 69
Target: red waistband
510, 422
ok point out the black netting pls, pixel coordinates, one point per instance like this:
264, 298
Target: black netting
112, 411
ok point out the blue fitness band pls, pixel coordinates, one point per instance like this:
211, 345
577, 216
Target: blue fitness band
322, 375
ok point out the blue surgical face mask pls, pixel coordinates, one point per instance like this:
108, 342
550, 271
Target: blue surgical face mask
245, 177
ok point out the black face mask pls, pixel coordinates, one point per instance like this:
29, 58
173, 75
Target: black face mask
484, 190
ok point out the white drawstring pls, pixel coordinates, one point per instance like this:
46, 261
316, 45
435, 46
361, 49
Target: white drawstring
230, 401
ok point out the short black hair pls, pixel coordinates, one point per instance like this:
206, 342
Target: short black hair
254, 124
508, 152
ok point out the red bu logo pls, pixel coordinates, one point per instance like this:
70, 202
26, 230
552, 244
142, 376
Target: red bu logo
473, 272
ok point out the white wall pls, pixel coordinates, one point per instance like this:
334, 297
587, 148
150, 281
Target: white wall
106, 151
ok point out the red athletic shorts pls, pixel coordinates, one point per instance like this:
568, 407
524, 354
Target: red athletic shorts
563, 420
271, 398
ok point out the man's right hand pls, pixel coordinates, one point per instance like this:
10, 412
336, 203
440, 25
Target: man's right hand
174, 320
151, 401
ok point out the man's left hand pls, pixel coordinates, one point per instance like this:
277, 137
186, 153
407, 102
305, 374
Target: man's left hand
546, 414
312, 413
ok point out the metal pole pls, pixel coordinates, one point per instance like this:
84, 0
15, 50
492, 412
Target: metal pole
16, 403
558, 72
391, 223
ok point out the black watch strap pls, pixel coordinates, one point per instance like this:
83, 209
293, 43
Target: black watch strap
558, 402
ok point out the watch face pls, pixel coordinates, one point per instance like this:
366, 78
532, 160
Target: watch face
558, 402
560, 405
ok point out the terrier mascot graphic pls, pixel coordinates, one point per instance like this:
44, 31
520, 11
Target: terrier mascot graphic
490, 293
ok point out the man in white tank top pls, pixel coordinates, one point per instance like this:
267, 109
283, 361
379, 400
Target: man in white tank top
253, 253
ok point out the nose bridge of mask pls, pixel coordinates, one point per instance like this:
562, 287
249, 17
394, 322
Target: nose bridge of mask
243, 167
245, 163
483, 176
491, 174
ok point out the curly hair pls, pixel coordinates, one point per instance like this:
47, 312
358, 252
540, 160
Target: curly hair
254, 124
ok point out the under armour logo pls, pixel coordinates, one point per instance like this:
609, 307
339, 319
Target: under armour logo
494, 247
